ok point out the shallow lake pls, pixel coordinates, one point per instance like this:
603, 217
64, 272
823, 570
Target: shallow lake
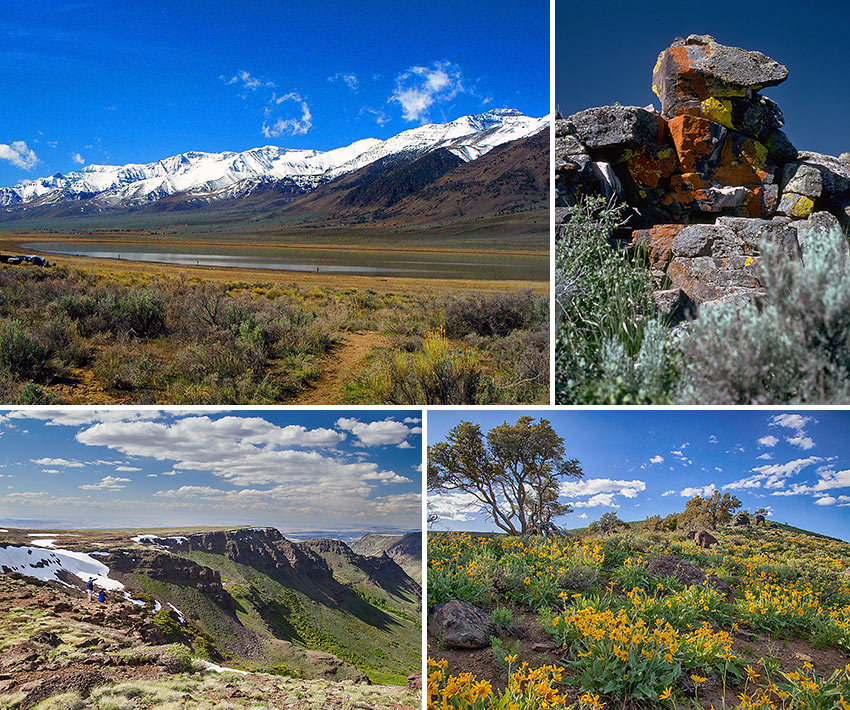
412, 264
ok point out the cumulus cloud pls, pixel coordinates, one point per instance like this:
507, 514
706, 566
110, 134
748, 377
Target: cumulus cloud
107, 483
658, 458
349, 79
605, 500
712, 439
704, 491
455, 506
19, 155
593, 486
773, 476
797, 423
78, 417
78, 159
419, 88
768, 441
127, 468
387, 432
765, 456
668, 493
275, 125
243, 450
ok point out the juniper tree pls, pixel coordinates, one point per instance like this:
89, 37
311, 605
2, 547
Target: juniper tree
514, 472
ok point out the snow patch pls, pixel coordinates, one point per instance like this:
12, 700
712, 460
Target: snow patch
137, 602
45, 542
46, 564
178, 612
221, 669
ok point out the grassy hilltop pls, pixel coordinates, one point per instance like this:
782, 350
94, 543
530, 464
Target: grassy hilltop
638, 615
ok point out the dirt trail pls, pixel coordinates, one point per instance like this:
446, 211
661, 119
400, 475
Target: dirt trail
343, 363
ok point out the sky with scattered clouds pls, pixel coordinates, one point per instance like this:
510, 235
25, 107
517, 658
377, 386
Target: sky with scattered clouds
295, 470
614, 63
90, 81
642, 463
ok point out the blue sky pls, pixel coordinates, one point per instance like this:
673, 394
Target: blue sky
641, 463
295, 470
105, 82
605, 53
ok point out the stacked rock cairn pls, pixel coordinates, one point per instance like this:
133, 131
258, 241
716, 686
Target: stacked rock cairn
706, 179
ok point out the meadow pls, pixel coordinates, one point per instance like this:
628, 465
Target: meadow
582, 622
88, 331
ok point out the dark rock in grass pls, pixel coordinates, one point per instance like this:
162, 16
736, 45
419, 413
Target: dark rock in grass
687, 574
47, 638
759, 519
461, 625
741, 520
414, 682
705, 539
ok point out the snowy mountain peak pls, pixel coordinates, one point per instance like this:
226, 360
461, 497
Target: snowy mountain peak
228, 174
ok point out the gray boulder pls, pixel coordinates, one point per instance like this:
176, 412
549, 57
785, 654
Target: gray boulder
461, 625
615, 127
751, 232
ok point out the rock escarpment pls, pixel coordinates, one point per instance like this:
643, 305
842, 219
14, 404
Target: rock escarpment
706, 178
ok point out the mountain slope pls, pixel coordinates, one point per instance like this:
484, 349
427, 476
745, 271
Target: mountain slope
405, 550
196, 178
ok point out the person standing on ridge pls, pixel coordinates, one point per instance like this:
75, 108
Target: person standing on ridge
90, 588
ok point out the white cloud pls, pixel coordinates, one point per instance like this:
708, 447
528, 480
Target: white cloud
248, 82
107, 483
593, 486
804, 442
78, 159
349, 79
78, 417
419, 88
380, 117
387, 432
455, 506
772, 475
58, 462
19, 155
704, 491
605, 500
791, 421
274, 126
668, 493
47, 470
127, 468
826, 500
658, 458
768, 441
765, 456
583, 516
712, 439
244, 451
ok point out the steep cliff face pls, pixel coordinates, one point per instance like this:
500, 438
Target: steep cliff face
404, 550
164, 567
380, 571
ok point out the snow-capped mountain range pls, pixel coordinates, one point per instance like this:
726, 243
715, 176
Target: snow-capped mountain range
215, 176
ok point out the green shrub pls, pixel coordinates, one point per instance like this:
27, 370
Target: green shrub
494, 315
609, 347
502, 616
795, 349
21, 353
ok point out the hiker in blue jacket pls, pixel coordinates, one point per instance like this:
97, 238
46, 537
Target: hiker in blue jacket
101, 596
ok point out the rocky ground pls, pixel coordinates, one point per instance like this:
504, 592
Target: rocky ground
58, 650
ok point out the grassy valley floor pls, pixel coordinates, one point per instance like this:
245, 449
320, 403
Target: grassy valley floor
94, 331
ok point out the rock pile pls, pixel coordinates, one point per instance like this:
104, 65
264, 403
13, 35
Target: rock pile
706, 178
